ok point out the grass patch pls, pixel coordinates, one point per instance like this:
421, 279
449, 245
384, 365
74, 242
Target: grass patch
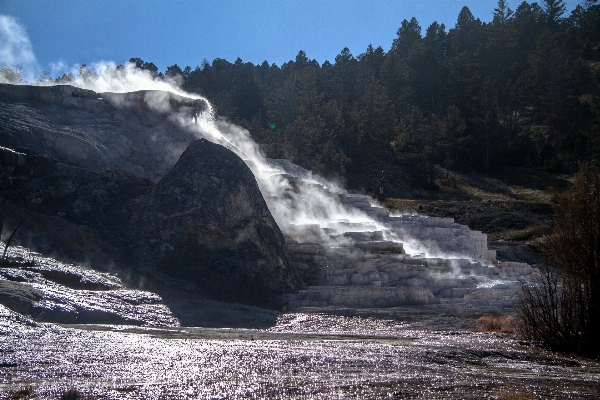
452, 184
531, 195
511, 393
519, 235
500, 324
404, 206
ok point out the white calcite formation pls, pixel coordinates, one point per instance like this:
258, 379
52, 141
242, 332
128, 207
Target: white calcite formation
349, 251
51, 291
395, 261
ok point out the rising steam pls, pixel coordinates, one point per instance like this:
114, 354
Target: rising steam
308, 209
17, 59
292, 207
300, 209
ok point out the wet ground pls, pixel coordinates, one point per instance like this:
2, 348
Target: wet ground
302, 356
245, 352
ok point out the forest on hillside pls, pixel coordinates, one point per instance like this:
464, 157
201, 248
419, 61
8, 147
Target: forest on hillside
520, 91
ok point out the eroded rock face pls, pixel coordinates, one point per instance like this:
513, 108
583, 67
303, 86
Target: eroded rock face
75, 213
207, 221
50, 291
136, 132
95, 173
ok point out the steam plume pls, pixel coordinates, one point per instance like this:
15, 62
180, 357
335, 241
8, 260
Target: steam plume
16, 51
308, 211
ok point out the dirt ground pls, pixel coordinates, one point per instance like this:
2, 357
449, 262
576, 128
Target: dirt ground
513, 207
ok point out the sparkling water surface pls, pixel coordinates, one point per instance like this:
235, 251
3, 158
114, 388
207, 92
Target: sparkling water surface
303, 356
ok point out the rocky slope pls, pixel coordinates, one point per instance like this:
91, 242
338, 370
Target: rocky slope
135, 132
207, 221
108, 179
93, 187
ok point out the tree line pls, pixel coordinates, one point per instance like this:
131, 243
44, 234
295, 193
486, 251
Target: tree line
522, 90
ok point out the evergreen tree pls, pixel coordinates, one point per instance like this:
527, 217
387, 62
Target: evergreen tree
520, 90
554, 10
409, 34
502, 13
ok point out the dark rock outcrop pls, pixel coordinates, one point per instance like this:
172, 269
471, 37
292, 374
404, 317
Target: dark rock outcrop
96, 187
206, 221
138, 132
75, 213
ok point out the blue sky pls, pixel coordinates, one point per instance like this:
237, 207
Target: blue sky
65, 33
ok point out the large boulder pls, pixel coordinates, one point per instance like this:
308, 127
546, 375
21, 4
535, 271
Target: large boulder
206, 221
95, 184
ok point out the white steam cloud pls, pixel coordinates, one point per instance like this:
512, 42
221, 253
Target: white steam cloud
104, 76
309, 209
292, 207
16, 51
301, 209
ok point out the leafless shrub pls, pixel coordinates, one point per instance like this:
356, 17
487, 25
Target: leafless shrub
553, 311
561, 309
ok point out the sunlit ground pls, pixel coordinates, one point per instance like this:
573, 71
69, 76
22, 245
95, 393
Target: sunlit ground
303, 356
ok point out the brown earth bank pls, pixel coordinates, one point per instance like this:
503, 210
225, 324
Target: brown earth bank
513, 206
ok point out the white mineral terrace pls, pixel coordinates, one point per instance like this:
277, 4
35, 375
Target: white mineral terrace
373, 260
350, 251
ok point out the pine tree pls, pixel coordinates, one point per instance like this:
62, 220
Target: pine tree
554, 10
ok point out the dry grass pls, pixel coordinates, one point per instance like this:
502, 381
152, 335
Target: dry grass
512, 393
519, 235
501, 324
454, 184
531, 195
404, 206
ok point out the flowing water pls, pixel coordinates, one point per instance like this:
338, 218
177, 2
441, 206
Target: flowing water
302, 356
